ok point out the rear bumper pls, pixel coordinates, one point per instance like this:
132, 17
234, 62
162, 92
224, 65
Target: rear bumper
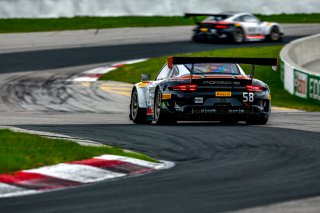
217, 34
218, 113
214, 110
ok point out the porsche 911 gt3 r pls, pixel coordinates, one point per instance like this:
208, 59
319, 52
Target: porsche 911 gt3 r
202, 89
238, 27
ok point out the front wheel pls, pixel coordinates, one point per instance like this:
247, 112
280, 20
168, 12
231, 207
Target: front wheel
159, 115
275, 34
137, 115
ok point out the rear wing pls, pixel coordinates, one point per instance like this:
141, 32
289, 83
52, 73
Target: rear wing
195, 15
196, 60
187, 15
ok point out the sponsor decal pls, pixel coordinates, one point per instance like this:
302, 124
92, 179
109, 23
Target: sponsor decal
143, 84
166, 96
198, 100
300, 84
221, 82
223, 94
314, 87
306, 85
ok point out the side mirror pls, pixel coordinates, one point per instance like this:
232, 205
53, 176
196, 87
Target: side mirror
145, 77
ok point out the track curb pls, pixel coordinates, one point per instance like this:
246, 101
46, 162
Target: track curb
94, 74
75, 173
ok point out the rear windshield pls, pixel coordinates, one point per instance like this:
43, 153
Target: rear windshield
231, 69
217, 18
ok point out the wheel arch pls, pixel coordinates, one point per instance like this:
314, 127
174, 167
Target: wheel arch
269, 28
141, 92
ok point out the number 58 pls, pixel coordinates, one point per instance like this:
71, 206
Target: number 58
248, 97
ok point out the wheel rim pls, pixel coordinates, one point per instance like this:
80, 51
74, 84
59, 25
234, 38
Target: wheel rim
238, 35
134, 105
157, 106
275, 35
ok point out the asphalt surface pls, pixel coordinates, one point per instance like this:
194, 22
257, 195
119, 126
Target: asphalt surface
218, 167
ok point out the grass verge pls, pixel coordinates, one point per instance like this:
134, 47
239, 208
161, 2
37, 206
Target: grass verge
25, 151
280, 97
77, 23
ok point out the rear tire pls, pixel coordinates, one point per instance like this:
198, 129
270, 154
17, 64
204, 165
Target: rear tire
137, 115
261, 120
160, 115
196, 39
238, 35
229, 121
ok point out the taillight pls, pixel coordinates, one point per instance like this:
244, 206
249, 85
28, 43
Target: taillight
252, 88
221, 26
185, 87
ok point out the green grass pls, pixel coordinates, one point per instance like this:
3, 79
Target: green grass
292, 18
24, 151
280, 97
77, 23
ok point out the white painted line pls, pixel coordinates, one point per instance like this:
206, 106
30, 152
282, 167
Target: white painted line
76, 172
134, 161
7, 190
86, 79
80, 141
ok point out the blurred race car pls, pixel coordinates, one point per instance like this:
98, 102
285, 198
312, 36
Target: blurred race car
237, 27
201, 89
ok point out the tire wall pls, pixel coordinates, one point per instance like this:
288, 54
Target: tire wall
71, 8
296, 79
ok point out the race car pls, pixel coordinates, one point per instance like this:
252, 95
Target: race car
237, 27
202, 89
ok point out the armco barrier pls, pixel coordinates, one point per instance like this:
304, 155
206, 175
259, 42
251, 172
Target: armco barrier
298, 80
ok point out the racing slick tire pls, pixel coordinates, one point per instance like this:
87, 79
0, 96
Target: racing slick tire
275, 34
160, 116
261, 120
238, 36
137, 114
197, 39
229, 121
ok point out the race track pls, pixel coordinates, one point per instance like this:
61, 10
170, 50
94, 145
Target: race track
218, 167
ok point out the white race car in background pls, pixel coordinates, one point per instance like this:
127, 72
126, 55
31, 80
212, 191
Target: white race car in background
238, 27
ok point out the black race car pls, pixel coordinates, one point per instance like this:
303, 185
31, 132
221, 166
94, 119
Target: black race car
235, 26
202, 89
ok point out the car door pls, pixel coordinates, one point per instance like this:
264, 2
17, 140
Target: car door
251, 25
162, 76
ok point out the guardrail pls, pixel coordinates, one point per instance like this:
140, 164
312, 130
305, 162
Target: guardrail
298, 80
